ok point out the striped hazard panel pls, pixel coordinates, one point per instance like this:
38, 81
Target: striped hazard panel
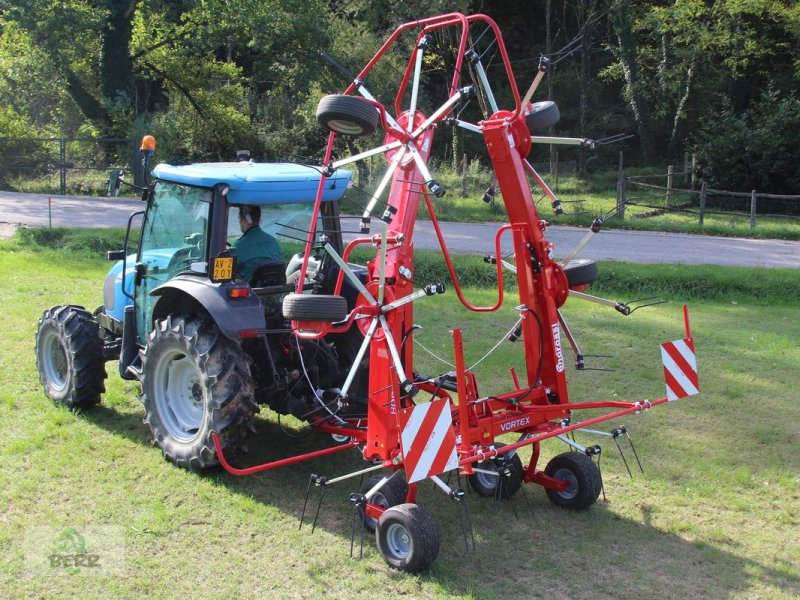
428, 441
680, 369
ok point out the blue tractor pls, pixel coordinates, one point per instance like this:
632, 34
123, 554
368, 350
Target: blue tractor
208, 343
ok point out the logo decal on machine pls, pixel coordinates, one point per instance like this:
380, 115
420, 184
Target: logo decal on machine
511, 425
557, 343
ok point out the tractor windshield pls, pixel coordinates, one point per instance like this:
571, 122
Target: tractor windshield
173, 241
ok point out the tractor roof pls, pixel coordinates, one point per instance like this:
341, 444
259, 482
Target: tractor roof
258, 183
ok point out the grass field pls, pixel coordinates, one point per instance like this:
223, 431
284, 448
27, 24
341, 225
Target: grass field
716, 513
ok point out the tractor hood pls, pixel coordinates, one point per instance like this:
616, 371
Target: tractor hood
258, 183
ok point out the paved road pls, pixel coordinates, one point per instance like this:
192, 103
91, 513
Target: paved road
477, 238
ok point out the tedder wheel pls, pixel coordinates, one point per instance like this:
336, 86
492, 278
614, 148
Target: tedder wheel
314, 307
195, 382
541, 116
407, 538
348, 115
580, 271
69, 356
487, 485
391, 494
583, 477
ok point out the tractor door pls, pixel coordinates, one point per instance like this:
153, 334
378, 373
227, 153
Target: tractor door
174, 240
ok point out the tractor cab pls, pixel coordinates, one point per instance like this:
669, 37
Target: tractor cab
191, 225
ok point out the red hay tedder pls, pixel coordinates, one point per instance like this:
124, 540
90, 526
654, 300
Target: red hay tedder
209, 342
454, 427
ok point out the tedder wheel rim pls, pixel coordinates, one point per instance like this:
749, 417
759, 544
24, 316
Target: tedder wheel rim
572, 489
486, 480
54, 361
379, 499
345, 127
179, 396
399, 541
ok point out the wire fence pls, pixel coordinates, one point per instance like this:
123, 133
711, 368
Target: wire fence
77, 166
656, 196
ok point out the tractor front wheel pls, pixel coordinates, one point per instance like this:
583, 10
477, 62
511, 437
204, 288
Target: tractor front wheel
195, 382
407, 538
69, 356
582, 477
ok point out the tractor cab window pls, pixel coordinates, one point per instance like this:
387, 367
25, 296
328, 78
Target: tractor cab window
173, 241
286, 222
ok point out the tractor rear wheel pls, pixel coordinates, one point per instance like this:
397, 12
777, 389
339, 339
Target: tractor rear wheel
582, 476
195, 382
490, 485
408, 538
391, 494
69, 356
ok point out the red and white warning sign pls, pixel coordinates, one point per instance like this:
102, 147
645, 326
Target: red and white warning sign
680, 368
428, 441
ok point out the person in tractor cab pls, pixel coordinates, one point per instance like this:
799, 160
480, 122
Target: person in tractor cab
255, 246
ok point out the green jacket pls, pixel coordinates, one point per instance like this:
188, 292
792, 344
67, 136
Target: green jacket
253, 248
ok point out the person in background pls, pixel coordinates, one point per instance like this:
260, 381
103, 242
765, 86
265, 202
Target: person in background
255, 246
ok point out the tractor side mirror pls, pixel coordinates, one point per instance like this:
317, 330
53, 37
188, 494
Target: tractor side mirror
116, 255
140, 270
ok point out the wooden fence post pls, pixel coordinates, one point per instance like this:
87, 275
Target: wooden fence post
62, 148
703, 198
752, 210
685, 168
670, 173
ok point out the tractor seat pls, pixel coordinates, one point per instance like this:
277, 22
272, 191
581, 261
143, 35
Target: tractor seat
268, 274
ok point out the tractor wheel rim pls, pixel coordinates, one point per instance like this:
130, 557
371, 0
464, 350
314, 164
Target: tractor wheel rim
180, 396
54, 361
572, 487
398, 541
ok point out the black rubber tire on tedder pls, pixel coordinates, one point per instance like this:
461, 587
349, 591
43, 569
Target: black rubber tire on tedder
541, 116
392, 493
69, 356
581, 271
487, 485
583, 477
195, 382
348, 115
314, 307
408, 538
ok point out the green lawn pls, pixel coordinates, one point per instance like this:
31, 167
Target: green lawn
715, 515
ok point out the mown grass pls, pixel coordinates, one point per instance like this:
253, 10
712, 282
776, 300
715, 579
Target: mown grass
715, 515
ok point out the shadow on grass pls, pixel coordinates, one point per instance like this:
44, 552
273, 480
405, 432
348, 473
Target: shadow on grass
548, 551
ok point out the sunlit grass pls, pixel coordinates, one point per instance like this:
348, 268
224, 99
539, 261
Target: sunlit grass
715, 515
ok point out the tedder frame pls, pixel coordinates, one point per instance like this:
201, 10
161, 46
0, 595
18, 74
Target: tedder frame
458, 427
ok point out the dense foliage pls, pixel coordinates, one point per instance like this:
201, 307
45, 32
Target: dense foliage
210, 76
